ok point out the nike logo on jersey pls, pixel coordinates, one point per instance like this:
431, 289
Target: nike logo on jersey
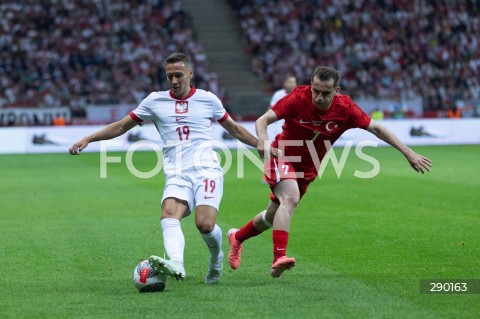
208, 197
303, 122
179, 119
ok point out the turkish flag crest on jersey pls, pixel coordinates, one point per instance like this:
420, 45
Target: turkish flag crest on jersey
181, 107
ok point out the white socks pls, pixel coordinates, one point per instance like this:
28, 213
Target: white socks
173, 239
214, 242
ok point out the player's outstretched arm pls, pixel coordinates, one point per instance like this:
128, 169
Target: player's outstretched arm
418, 162
239, 132
111, 131
264, 148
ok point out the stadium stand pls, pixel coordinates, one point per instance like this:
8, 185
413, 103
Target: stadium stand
90, 52
218, 30
77, 53
385, 49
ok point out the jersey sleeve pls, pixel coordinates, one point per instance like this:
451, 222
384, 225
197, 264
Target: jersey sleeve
219, 112
358, 118
143, 112
285, 107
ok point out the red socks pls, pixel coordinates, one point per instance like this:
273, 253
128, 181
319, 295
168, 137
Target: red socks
246, 232
280, 242
280, 238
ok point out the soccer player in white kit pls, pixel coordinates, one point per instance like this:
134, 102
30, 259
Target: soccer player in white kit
194, 178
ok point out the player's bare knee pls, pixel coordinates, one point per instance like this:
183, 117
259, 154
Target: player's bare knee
290, 200
205, 226
174, 208
168, 213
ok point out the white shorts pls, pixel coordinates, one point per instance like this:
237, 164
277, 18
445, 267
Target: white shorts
195, 189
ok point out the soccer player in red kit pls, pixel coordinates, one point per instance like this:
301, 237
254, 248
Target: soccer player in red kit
315, 117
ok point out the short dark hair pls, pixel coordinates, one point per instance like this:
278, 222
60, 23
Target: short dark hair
177, 57
324, 73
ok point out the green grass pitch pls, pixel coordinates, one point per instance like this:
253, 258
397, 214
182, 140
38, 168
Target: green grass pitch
69, 241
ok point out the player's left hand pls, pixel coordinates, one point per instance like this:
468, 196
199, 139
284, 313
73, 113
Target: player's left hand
419, 162
76, 148
265, 150
276, 152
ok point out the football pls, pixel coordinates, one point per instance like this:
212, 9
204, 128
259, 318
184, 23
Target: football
146, 279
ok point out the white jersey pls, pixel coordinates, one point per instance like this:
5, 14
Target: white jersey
185, 127
277, 96
276, 127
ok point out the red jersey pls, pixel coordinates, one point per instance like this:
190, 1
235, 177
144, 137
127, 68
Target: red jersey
303, 122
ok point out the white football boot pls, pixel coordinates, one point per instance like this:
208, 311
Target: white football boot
170, 268
214, 270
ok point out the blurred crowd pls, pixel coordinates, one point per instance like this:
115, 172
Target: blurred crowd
393, 49
80, 52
